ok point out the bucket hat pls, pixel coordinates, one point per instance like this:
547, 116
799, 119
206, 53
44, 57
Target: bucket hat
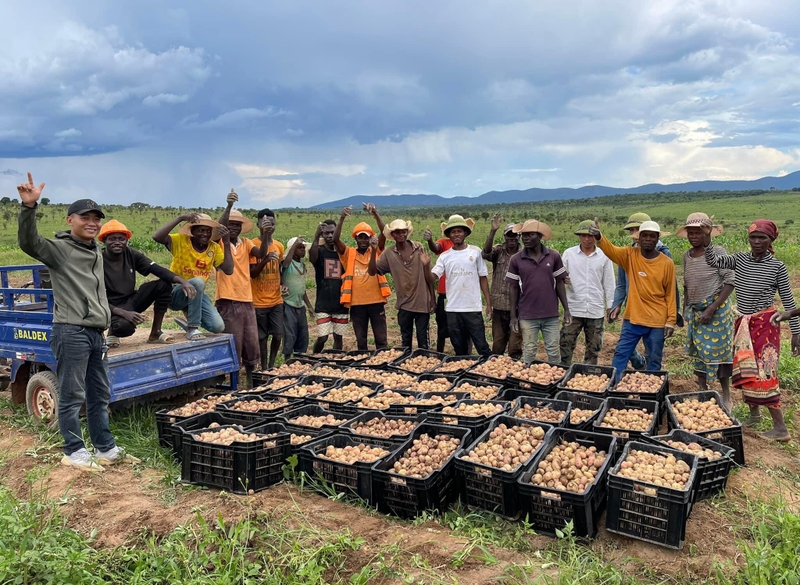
113, 227
398, 224
534, 225
458, 221
702, 221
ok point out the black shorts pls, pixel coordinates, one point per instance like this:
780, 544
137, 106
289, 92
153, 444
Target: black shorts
270, 322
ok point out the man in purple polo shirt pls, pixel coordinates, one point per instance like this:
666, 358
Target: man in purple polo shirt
539, 275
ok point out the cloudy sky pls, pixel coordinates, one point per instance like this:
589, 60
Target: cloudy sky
298, 102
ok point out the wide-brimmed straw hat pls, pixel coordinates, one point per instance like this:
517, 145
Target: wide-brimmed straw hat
113, 227
702, 221
652, 226
534, 225
236, 216
636, 220
458, 221
398, 224
202, 219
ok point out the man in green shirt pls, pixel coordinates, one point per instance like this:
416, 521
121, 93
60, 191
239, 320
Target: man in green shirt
295, 299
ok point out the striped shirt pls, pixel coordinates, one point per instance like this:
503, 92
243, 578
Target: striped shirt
757, 280
701, 280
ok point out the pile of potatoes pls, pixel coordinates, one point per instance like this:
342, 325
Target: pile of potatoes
694, 415
326, 370
477, 409
384, 400
304, 390
276, 384
258, 405
383, 427
499, 366
588, 382
569, 467
540, 413
352, 358
438, 399
226, 437
420, 363
354, 454
454, 366
543, 374
507, 447
316, 421
349, 393
662, 470
478, 392
207, 404
392, 380
579, 415
629, 419
300, 439
695, 449
426, 455
437, 385
640, 382
295, 369
384, 357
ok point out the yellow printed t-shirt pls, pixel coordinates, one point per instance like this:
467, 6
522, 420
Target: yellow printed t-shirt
267, 287
189, 263
651, 285
366, 288
236, 287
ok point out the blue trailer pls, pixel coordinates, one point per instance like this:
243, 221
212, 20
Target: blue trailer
137, 371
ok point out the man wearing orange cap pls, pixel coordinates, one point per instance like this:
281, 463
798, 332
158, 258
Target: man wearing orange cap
121, 263
363, 294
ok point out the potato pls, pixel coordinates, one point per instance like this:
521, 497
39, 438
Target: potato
579, 415
383, 427
478, 391
431, 400
258, 405
570, 467
420, 363
326, 370
226, 437
384, 357
426, 455
454, 365
543, 374
354, 453
499, 366
661, 470
695, 449
631, 419
477, 409
304, 390
383, 400
349, 393
437, 385
640, 382
540, 413
207, 404
295, 369
308, 420
588, 382
697, 416
507, 447
300, 439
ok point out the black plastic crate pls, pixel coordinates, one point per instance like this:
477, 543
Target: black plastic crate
562, 406
583, 402
588, 369
407, 497
326, 355
311, 410
352, 479
332, 370
165, 420
239, 467
378, 352
261, 377
480, 383
657, 396
503, 381
473, 359
477, 424
353, 373
269, 413
358, 408
418, 409
730, 436
322, 399
289, 391
626, 435
276, 371
394, 440
549, 509
646, 511
198, 421
451, 379
712, 476
352, 358
400, 362
511, 394
490, 488
535, 386
274, 384
294, 449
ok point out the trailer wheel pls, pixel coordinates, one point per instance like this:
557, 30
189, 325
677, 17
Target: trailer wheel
41, 396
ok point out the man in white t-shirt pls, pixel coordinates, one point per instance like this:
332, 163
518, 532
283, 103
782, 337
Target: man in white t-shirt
467, 277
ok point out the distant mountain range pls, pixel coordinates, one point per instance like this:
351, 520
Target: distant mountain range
786, 182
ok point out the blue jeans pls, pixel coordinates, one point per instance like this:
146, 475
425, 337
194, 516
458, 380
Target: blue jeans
200, 310
295, 330
530, 329
653, 338
82, 372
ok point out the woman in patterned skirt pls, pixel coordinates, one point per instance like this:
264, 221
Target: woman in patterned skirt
757, 338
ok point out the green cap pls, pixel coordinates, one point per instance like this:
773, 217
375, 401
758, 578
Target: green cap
583, 227
636, 220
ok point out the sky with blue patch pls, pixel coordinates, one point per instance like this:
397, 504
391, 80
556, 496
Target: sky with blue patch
293, 103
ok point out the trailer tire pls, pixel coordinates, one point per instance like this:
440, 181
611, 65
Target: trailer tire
41, 397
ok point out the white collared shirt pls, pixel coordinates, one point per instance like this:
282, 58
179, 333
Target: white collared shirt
591, 289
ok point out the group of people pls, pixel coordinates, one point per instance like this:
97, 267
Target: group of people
261, 299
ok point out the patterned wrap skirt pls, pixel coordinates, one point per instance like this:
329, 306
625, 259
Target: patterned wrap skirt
756, 353
710, 345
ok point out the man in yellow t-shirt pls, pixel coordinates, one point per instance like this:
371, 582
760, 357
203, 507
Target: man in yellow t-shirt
265, 275
194, 257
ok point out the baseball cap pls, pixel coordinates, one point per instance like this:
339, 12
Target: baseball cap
509, 228
82, 206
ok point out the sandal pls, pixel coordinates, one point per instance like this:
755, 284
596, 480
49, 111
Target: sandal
162, 339
112, 341
195, 335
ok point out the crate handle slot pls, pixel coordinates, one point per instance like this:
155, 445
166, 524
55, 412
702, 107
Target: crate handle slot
622, 434
399, 481
482, 471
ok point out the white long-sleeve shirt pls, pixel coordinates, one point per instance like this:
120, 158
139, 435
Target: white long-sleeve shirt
591, 289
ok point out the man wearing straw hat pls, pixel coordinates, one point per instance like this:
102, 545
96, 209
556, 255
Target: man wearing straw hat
651, 312
410, 268
499, 255
537, 276
194, 256
121, 264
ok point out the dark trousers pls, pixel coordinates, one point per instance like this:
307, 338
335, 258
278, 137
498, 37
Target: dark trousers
362, 316
82, 372
407, 321
295, 330
240, 321
592, 334
464, 327
503, 336
156, 293
442, 332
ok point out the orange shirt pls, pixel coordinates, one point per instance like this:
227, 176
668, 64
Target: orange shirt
366, 288
236, 287
267, 286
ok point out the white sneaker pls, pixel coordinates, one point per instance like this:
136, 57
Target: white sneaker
83, 460
115, 455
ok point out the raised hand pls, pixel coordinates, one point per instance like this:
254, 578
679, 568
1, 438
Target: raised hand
190, 217
369, 207
427, 235
232, 197
272, 256
224, 233
595, 229
29, 192
347, 211
267, 226
373, 242
497, 221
